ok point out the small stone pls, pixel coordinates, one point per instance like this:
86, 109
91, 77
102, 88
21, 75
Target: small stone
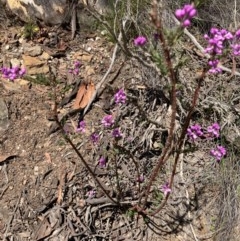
33, 51
7, 47
36, 170
45, 56
34, 65
15, 62
104, 32
89, 70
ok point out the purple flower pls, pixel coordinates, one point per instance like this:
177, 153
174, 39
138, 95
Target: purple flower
186, 14
141, 178
91, 194
94, 138
116, 133
140, 41
237, 34
120, 97
236, 49
186, 23
214, 66
180, 13
216, 40
22, 72
81, 127
213, 130
107, 121
12, 76
12, 73
218, 153
102, 162
77, 64
75, 71
166, 189
194, 131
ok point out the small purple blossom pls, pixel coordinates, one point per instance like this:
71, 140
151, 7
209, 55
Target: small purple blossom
141, 178
22, 72
75, 71
91, 194
213, 130
214, 66
218, 153
107, 121
81, 127
76, 68
116, 133
216, 40
12, 73
166, 189
77, 64
140, 41
94, 138
120, 97
102, 162
237, 34
194, 131
236, 49
185, 14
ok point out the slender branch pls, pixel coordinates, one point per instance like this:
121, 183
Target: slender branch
173, 78
181, 140
75, 148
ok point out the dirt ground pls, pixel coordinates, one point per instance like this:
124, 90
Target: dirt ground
44, 185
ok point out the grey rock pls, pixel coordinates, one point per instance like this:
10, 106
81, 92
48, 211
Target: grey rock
33, 51
4, 121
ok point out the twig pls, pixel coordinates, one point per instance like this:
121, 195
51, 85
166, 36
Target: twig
98, 86
74, 146
11, 218
96, 93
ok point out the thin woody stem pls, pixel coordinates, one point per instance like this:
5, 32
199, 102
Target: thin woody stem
75, 148
181, 140
173, 78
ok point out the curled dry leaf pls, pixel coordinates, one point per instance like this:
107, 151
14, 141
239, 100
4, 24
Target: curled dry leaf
4, 158
84, 95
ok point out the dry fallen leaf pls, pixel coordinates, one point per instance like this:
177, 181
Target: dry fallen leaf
6, 157
84, 95
48, 157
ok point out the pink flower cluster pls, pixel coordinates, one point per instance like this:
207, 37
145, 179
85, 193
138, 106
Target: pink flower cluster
140, 41
81, 126
186, 14
212, 131
107, 121
76, 68
218, 40
102, 162
166, 189
12, 73
120, 97
218, 153
214, 66
194, 131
